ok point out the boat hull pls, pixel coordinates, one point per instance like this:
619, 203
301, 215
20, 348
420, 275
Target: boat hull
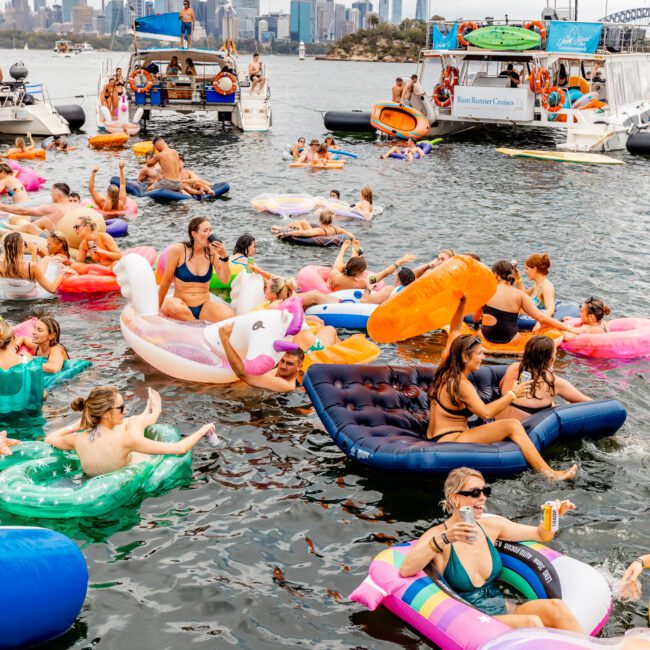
399, 121
38, 119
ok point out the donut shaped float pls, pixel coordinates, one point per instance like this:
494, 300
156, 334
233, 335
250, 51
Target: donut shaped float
626, 338
430, 302
130, 210
117, 227
349, 312
378, 416
42, 571
18, 289
425, 602
192, 351
316, 277
286, 205
31, 480
322, 241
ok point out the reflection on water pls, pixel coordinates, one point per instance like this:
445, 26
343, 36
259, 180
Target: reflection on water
276, 527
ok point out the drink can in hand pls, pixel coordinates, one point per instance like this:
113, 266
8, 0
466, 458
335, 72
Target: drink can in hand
212, 439
524, 377
552, 516
467, 516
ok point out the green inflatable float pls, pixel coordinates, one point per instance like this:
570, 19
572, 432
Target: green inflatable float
40, 481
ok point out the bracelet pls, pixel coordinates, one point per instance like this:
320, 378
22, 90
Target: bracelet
512, 394
224, 259
445, 539
640, 561
434, 545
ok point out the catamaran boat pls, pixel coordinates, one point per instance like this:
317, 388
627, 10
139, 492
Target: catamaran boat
27, 107
159, 80
589, 83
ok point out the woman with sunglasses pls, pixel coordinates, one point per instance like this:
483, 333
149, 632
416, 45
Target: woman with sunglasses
538, 360
298, 147
465, 556
454, 399
106, 441
592, 314
99, 246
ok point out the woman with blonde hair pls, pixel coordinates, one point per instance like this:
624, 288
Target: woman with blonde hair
115, 199
302, 228
99, 246
20, 146
106, 441
464, 554
364, 206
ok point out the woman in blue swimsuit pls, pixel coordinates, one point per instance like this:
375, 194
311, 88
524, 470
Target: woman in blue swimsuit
465, 556
190, 265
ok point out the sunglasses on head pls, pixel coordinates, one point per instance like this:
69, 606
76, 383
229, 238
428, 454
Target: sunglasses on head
486, 490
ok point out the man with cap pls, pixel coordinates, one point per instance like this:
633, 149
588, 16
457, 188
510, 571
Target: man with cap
309, 153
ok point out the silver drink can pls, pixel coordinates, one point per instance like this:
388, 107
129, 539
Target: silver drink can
467, 516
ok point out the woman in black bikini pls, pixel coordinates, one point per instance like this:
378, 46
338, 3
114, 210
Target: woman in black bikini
303, 228
107, 97
538, 360
190, 265
119, 86
12, 265
499, 320
454, 399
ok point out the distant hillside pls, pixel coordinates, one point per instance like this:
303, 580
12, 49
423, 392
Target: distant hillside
382, 42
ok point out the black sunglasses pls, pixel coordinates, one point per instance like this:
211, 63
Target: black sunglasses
120, 408
486, 490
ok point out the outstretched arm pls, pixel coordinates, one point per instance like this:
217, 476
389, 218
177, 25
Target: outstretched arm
339, 262
143, 445
455, 326
98, 198
122, 195
510, 531
393, 267
528, 306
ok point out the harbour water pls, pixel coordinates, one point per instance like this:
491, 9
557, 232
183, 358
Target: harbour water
276, 528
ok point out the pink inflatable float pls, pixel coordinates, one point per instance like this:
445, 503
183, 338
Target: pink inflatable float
27, 176
626, 338
316, 277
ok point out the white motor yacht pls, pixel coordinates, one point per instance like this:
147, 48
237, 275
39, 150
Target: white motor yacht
63, 49
589, 83
27, 107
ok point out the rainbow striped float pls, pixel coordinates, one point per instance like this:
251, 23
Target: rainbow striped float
534, 570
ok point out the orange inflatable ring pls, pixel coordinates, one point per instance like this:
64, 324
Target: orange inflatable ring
542, 81
450, 76
108, 140
560, 104
531, 24
442, 96
137, 73
511, 349
27, 155
224, 75
470, 27
430, 302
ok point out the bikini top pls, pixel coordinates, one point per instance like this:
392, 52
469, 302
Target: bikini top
184, 274
456, 576
459, 413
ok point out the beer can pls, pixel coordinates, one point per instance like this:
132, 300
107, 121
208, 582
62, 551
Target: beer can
552, 516
467, 516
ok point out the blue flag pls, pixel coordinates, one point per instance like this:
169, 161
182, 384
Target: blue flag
446, 41
581, 38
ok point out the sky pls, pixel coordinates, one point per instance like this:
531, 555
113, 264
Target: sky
530, 9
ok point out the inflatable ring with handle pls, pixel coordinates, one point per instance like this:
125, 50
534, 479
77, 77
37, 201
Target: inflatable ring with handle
465, 28
541, 28
442, 96
541, 80
139, 72
450, 76
554, 108
224, 75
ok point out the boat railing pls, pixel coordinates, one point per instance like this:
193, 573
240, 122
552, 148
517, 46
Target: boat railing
615, 38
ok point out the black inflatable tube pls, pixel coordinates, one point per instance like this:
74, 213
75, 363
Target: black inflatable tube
74, 115
351, 121
639, 143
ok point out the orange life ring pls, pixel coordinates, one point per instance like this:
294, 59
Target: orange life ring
450, 76
439, 94
540, 27
224, 75
470, 27
557, 107
140, 89
542, 81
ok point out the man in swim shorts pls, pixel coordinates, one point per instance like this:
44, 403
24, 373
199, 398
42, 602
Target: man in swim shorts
255, 74
187, 18
407, 92
282, 379
170, 167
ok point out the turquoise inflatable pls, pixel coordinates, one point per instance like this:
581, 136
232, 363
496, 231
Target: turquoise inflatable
21, 387
42, 482
71, 368
43, 583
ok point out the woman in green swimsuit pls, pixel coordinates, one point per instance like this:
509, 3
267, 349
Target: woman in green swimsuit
465, 556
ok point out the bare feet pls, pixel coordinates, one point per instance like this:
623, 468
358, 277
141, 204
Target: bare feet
276, 229
565, 475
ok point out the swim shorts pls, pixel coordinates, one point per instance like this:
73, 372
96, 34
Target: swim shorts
186, 28
166, 184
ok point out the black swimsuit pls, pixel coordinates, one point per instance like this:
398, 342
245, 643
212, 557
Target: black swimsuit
504, 330
531, 410
463, 413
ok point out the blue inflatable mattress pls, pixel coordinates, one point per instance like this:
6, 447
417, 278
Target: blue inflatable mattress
378, 415
135, 188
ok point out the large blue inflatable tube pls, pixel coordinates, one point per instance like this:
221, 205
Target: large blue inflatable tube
378, 415
43, 583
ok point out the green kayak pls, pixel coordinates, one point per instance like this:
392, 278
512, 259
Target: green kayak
500, 37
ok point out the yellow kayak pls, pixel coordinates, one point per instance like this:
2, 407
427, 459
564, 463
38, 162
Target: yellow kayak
562, 156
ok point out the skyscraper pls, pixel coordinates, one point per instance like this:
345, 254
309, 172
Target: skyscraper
364, 8
301, 20
421, 10
246, 11
38, 4
383, 10
396, 14
68, 6
114, 15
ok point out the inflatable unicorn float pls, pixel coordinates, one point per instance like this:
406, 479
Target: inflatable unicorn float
192, 351
121, 123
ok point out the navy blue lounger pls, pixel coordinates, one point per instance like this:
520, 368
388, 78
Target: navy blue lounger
378, 415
